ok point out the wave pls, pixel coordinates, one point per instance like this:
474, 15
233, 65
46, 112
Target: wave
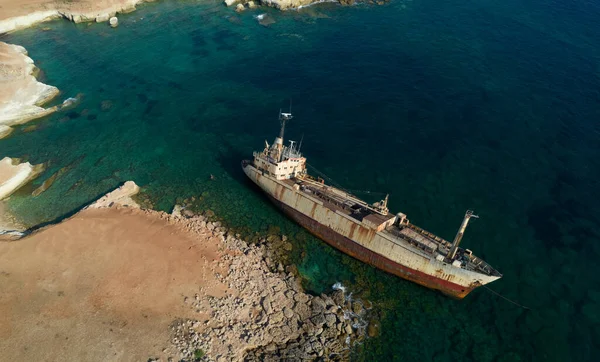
339, 286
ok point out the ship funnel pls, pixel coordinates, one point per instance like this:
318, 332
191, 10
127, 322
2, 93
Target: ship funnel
468, 215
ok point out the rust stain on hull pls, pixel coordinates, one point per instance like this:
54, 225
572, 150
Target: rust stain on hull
363, 254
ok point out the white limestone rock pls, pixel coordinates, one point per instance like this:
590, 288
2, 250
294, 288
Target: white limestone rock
121, 196
114, 22
102, 18
21, 95
287, 4
5, 131
13, 175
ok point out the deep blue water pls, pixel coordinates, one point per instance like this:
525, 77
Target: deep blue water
449, 105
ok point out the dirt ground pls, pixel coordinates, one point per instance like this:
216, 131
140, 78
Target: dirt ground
104, 285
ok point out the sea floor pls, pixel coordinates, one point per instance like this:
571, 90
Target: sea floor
445, 106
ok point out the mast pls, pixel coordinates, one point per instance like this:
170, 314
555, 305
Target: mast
461, 231
283, 117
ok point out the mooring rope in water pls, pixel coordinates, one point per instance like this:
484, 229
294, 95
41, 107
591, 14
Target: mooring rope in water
505, 298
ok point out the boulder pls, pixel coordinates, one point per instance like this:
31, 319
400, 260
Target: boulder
348, 329
318, 320
102, 18
177, 211
251, 4
302, 310
230, 2
239, 8
276, 318
338, 297
330, 320
301, 298
266, 304
288, 313
357, 307
114, 22
318, 305
373, 329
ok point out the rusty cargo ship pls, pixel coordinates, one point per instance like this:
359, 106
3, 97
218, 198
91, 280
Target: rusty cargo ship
367, 232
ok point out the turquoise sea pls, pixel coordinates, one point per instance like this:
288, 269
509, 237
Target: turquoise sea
489, 105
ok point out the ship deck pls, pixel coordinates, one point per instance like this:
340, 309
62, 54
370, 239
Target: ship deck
407, 235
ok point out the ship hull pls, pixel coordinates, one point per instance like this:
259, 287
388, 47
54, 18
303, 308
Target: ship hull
365, 255
363, 241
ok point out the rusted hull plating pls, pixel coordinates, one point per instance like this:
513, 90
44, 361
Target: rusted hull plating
365, 255
362, 240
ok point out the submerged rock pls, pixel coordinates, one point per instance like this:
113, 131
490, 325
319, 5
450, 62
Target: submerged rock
49, 181
106, 105
265, 19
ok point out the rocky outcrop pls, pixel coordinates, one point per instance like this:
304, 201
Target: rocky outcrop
16, 17
287, 4
26, 19
265, 315
121, 196
21, 95
14, 174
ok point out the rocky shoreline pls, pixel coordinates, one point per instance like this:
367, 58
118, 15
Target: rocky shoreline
76, 11
265, 315
21, 95
245, 306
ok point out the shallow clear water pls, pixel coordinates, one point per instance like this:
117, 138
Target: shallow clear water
446, 106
